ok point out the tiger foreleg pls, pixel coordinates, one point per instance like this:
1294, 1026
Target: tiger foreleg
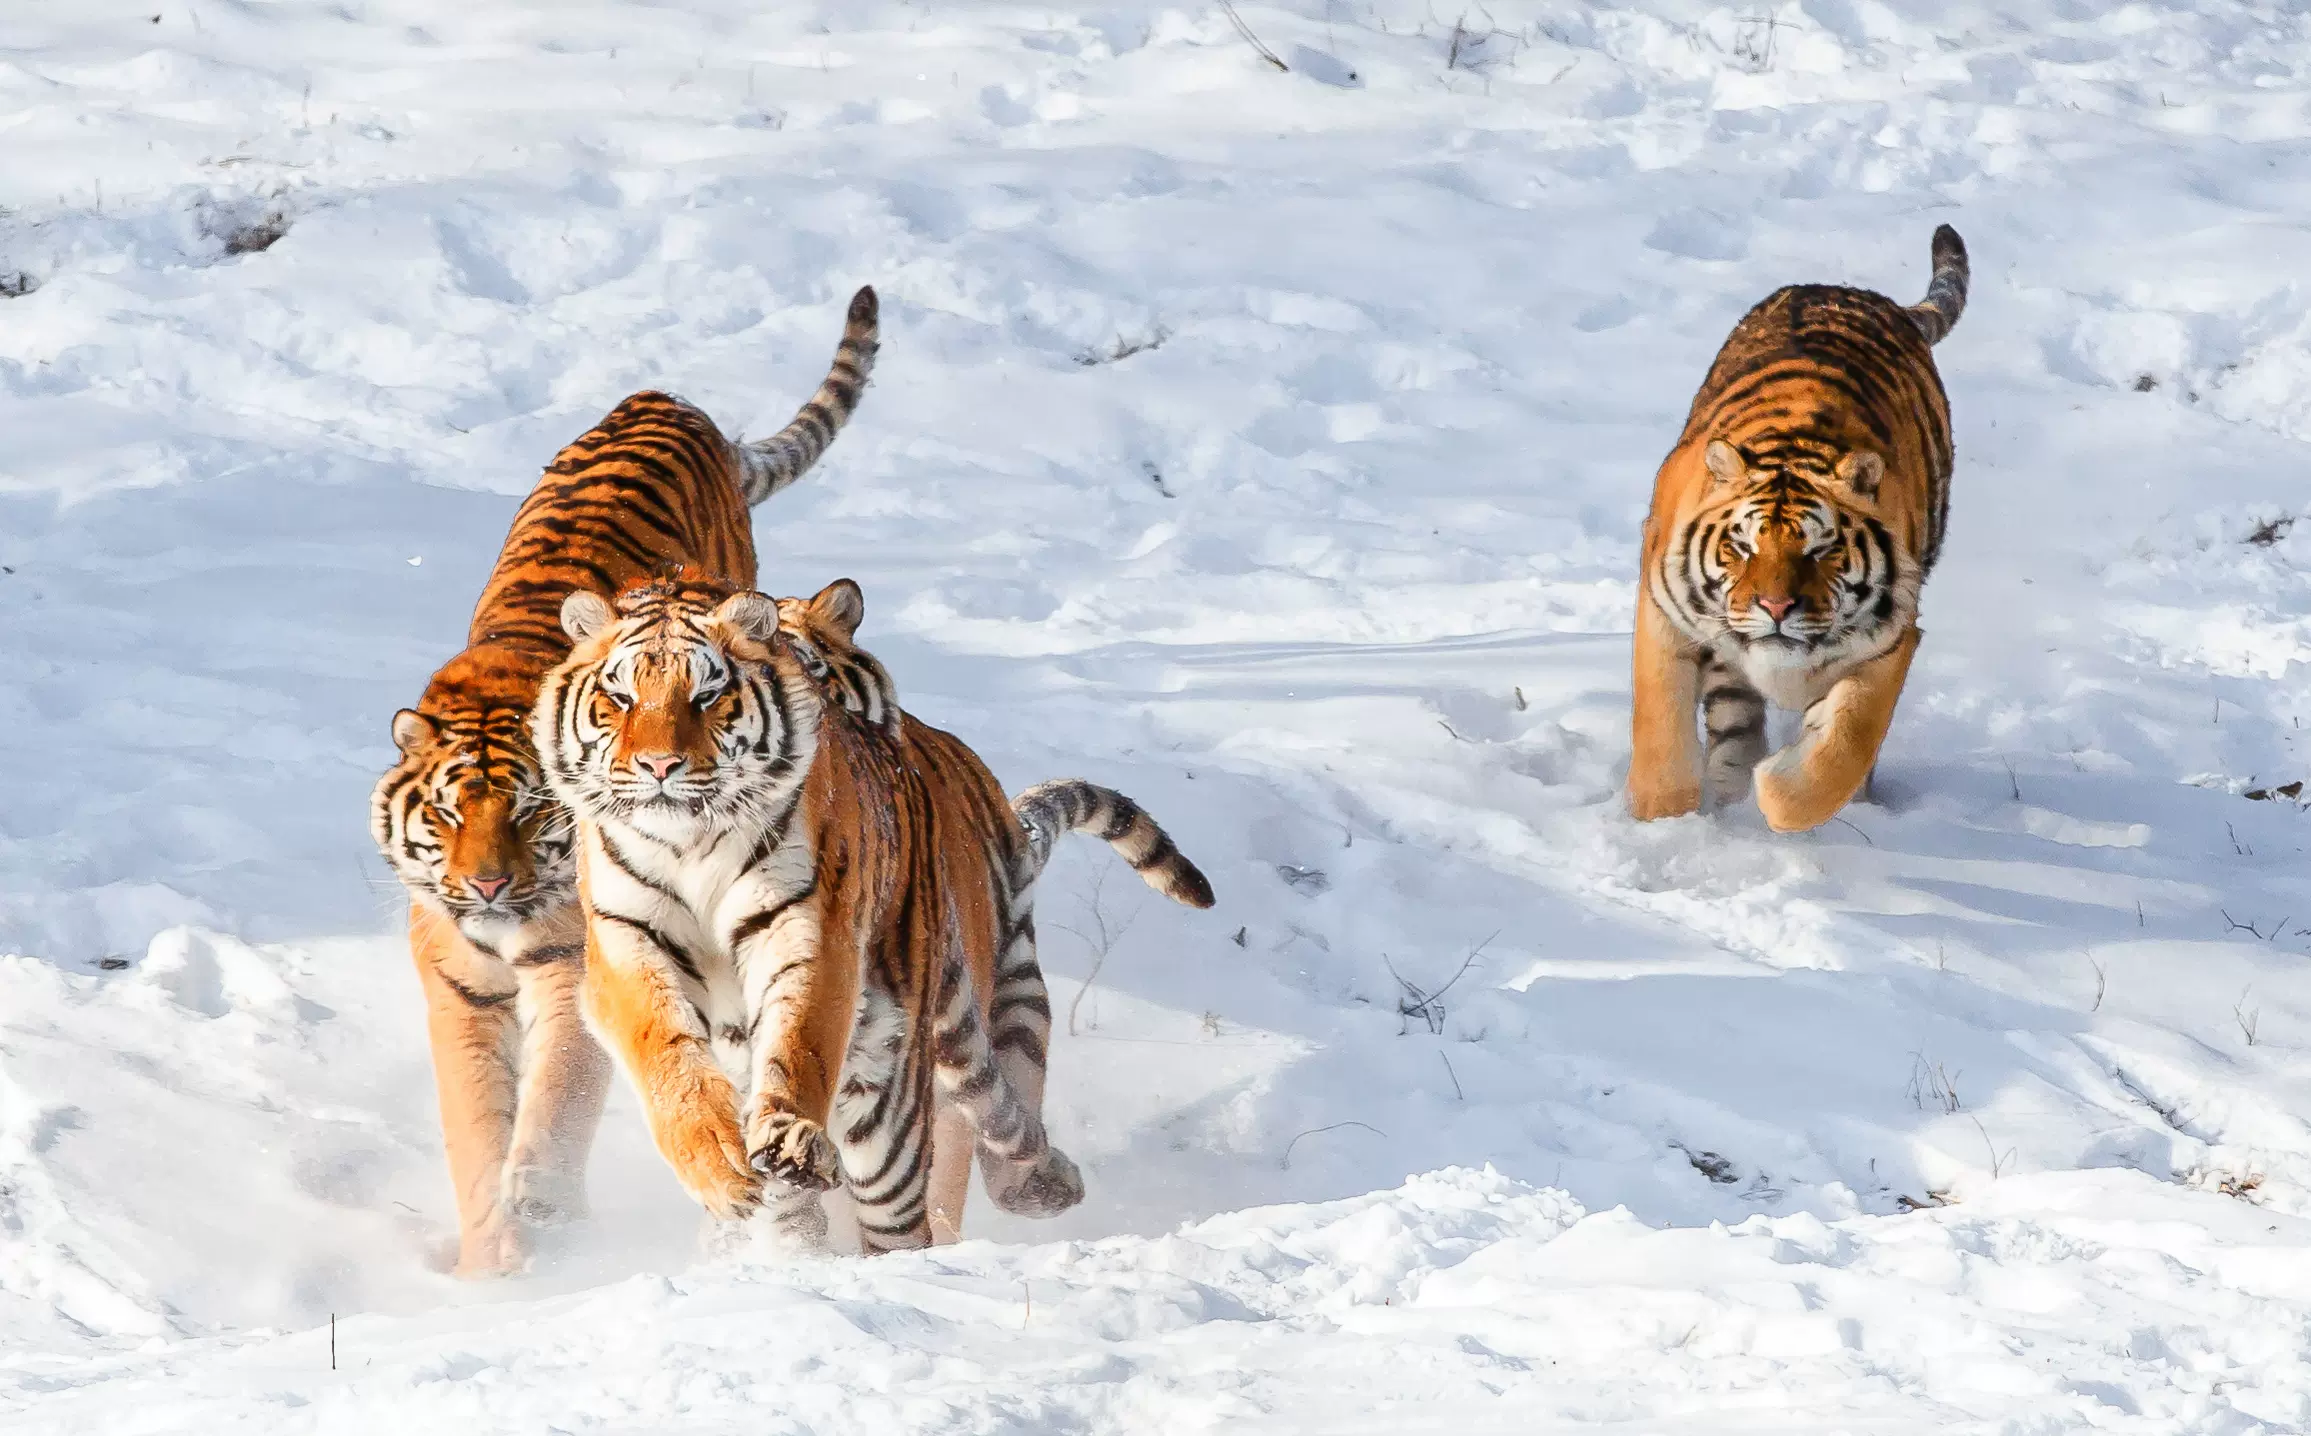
469, 1021
801, 985
636, 1007
1733, 715
565, 1077
883, 1126
1664, 748
1805, 784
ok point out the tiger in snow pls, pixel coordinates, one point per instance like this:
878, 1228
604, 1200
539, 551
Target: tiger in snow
1791, 529
467, 823
810, 935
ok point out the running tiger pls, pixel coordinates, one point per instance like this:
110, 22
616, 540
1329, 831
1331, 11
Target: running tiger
1791, 529
810, 939
466, 821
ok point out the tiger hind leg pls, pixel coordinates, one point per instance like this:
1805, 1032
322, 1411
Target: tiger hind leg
882, 1127
1023, 1172
1020, 1025
1733, 714
1019, 1030
954, 1147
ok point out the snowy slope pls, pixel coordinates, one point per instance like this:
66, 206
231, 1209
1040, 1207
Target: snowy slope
1983, 1110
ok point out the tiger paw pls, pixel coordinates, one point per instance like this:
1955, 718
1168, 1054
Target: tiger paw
795, 1150
543, 1196
492, 1248
1793, 799
710, 1161
1651, 800
1044, 1187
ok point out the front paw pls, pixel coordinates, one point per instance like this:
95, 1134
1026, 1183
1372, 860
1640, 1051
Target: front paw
710, 1160
1792, 799
494, 1248
1651, 799
795, 1150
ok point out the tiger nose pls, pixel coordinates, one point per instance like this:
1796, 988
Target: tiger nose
658, 765
1776, 609
487, 889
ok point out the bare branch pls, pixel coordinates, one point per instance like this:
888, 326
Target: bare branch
1252, 39
1429, 1006
2249, 1019
1998, 1164
1331, 1127
1933, 1082
1101, 940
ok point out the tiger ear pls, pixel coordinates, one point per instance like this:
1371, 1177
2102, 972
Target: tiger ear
412, 730
841, 604
752, 614
584, 614
1861, 471
1725, 463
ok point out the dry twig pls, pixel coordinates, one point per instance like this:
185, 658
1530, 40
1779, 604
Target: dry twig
1330, 1127
1251, 39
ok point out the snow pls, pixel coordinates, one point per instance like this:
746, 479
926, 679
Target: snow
1979, 1111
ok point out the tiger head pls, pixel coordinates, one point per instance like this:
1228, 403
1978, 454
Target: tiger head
682, 708
1788, 561
823, 630
465, 819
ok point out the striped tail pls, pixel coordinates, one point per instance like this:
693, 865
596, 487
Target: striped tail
1072, 805
1937, 314
773, 463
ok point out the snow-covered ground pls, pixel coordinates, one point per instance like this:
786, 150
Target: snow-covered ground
1474, 1106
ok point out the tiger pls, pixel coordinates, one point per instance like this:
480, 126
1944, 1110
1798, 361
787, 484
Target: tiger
823, 630
1791, 530
810, 938
466, 822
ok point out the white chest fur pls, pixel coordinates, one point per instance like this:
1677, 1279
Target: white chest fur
1786, 678
693, 889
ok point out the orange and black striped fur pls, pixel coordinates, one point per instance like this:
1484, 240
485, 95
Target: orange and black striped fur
822, 630
465, 818
810, 942
1791, 530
